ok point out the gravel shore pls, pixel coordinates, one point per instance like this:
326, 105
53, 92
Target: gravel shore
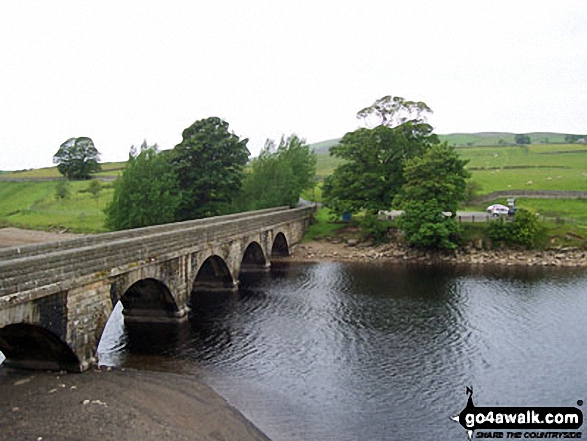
324, 251
116, 405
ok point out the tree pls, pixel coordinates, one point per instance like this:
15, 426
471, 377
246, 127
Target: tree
435, 184
279, 174
209, 164
437, 174
372, 172
522, 139
393, 111
146, 192
77, 158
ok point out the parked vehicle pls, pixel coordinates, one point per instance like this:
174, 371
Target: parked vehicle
497, 210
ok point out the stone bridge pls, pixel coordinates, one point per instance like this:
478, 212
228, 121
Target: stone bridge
55, 299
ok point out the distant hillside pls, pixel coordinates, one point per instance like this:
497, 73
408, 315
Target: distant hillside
499, 138
469, 140
323, 147
109, 170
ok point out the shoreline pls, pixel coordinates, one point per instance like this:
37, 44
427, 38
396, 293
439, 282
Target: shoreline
351, 250
324, 251
113, 405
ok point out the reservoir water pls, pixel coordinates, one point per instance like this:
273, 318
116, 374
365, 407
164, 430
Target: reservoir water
341, 351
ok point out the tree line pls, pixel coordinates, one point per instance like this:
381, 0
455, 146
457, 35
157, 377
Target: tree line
396, 160
206, 175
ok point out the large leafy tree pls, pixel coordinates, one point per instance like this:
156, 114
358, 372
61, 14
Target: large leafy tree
393, 111
438, 174
280, 174
435, 184
145, 194
77, 158
372, 172
209, 165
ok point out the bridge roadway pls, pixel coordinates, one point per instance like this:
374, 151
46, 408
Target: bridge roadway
55, 298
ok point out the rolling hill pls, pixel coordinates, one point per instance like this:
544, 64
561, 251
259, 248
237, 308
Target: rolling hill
480, 139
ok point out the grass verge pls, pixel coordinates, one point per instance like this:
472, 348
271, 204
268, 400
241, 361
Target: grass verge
324, 225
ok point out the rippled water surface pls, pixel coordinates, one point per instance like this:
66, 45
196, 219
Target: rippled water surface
337, 351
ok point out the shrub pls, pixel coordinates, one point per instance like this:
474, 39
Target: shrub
373, 228
525, 230
425, 226
63, 189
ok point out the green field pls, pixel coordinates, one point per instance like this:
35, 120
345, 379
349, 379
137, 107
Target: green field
107, 169
34, 205
534, 167
499, 167
499, 138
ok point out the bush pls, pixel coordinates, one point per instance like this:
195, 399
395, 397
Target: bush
95, 187
373, 228
63, 189
425, 226
525, 230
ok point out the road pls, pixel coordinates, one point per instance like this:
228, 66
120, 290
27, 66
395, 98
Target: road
462, 216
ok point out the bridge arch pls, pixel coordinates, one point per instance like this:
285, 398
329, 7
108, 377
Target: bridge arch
33, 347
253, 258
149, 299
280, 247
214, 274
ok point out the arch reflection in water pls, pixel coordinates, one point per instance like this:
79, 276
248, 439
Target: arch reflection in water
127, 343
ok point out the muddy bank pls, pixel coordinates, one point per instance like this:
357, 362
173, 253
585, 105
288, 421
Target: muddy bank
116, 405
358, 252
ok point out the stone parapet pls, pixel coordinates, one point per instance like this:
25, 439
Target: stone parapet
56, 264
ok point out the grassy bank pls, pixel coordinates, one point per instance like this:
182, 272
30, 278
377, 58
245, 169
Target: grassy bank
324, 225
34, 205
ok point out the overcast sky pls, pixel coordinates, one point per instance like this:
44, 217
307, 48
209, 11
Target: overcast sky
123, 71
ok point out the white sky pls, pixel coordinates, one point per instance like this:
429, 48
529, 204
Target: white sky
123, 71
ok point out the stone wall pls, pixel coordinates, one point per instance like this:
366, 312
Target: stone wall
539, 194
